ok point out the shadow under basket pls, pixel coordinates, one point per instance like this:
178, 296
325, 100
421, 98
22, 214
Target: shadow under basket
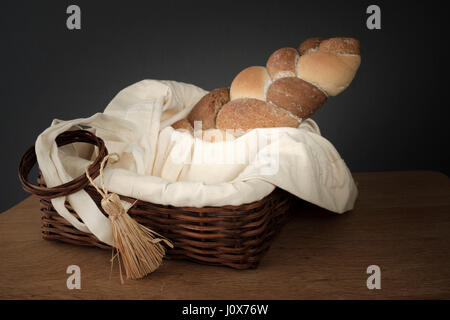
233, 236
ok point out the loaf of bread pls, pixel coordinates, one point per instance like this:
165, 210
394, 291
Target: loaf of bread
291, 87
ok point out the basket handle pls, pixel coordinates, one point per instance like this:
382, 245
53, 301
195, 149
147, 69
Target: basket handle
29, 159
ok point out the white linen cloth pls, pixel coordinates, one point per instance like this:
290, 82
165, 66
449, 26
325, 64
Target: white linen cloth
164, 166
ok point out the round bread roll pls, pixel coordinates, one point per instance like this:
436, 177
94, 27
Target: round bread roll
207, 108
248, 113
329, 64
329, 72
282, 63
251, 82
297, 96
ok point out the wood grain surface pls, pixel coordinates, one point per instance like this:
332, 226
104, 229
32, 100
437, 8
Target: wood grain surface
401, 222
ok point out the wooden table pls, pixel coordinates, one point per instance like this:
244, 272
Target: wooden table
401, 223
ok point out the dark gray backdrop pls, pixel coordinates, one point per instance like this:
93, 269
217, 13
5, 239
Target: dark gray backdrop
392, 117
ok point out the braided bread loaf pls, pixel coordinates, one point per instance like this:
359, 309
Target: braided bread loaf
292, 86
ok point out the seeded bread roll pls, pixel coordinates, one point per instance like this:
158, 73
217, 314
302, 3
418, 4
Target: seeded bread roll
207, 108
282, 63
248, 113
251, 82
297, 96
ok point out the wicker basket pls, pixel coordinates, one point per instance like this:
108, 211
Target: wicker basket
234, 236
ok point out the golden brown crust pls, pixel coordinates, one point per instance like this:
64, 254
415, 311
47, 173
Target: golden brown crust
251, 82
282, 63
330, 72
207, 108
340, 46
309, 45
245, 114
183, 125
297, 96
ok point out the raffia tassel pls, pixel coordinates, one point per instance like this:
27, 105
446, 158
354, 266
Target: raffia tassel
140, 249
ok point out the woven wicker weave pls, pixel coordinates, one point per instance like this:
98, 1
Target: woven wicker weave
234, 236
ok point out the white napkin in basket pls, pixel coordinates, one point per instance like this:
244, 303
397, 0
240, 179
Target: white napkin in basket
164, 166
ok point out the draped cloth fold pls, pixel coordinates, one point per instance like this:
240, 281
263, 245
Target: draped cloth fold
168, 167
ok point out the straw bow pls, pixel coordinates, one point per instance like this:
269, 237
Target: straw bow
139, 248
